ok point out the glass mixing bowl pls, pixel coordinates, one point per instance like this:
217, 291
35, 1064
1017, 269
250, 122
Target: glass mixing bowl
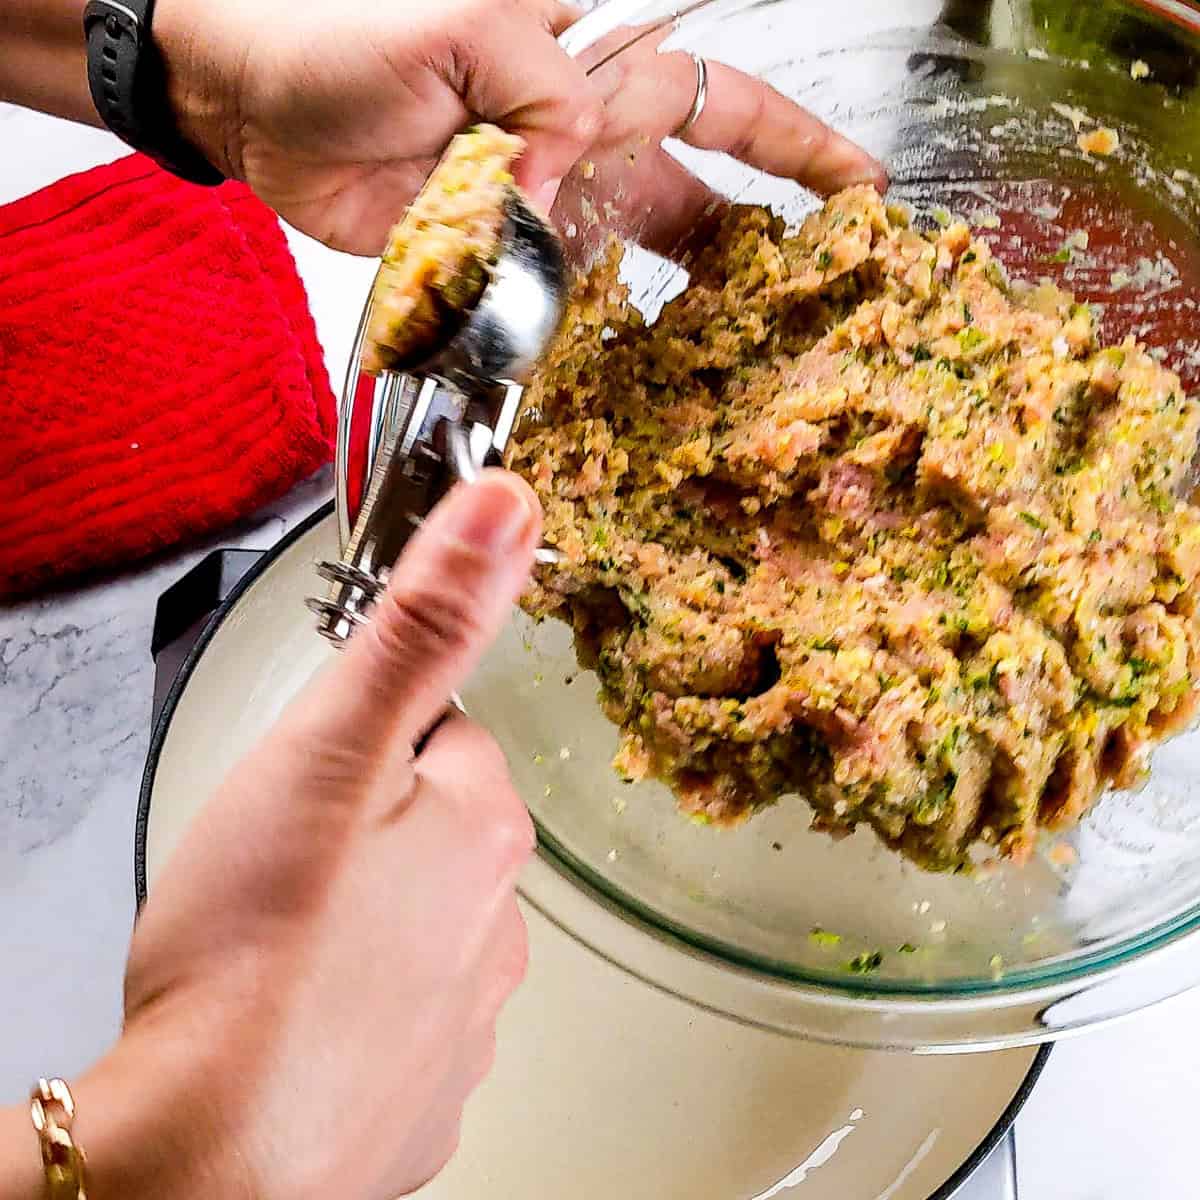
975, 108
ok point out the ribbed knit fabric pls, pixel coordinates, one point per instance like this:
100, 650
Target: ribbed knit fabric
160, 374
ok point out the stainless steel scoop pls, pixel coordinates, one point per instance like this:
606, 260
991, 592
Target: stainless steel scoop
404, 437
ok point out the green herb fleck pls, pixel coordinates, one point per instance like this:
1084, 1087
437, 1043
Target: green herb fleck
930, 808
865, 964
971, 338
822, 937
921, 353
1160, 501
824, 260
637, 604
1094, 537
1033, 522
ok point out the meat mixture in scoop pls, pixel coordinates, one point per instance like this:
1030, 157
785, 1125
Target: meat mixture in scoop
858, 520
437, 260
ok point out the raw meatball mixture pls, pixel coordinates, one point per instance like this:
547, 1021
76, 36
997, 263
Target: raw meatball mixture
437, 258
857, 520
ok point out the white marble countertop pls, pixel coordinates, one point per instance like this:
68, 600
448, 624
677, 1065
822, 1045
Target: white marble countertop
1112, 1117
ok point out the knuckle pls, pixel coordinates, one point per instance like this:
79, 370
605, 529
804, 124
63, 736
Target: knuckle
517, 965
808, 138
315, 759
491, 759
587, 115
422, 623
507, 829
513, 833
508, 843
483, 1059
496, 841
817, 143
447, 1147
748, 134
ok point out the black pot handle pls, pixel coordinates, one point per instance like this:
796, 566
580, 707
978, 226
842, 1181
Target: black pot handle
186, 607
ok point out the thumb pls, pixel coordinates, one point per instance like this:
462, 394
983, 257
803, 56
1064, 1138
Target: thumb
445, 602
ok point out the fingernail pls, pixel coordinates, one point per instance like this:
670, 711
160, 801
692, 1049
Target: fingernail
873, 174
850, 165
546, 195
496, 514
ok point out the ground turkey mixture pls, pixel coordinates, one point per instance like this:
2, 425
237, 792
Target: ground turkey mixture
436, 263
857, 520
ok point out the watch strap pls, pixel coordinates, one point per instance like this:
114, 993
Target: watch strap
127, 78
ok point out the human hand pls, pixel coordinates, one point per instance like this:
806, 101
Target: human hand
313, 986
630, 184
335, 115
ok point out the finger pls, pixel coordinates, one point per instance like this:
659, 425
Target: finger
503, 965
445, 601
640, 191
461, 749
482, 1056
513, 72
426, 1153
658, 204
557, 17
652, 94
751, 121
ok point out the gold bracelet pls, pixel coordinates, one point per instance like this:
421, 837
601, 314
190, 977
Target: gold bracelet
52, 1108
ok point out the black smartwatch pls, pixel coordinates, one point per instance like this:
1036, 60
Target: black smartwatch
128, 80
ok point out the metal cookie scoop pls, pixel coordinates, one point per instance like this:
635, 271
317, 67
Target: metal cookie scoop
404, 437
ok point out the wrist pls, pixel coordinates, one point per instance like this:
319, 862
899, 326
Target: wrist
144, 1122
198, 93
